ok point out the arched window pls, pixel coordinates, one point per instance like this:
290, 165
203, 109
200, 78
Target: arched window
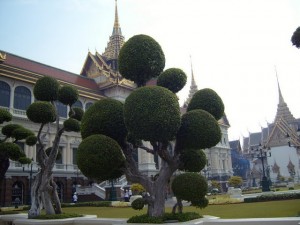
62, 109
5, 94
78, 104
22, 98
88, 105
17, 192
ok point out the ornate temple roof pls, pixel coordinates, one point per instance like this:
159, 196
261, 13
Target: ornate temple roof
193, 89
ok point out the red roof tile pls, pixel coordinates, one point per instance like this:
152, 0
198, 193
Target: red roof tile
39, 68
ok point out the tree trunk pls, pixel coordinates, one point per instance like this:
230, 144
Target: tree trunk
4, 164
44, 195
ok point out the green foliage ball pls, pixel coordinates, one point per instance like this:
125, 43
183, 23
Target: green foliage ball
200, 203
138, 204
198, 130
21, 133
193, 160
24, 160
141, 58
105, 117
76, 113
5, 116
72, 125
46, 89
189, 186
11, 150
152, 114
208, 100
8, 129
296, 38
41, 112
31, 140
100, 157
173, 79
68, 95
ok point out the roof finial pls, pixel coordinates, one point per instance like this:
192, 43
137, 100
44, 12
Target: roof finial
117, 29
279, 90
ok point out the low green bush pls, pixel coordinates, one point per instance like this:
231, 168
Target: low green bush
58, 216
83, 204
273, 197
180, 217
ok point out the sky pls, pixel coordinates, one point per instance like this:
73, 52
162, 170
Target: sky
236, 47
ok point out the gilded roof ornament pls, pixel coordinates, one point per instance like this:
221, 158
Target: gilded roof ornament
2, 57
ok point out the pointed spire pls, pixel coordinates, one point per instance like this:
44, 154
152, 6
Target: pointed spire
283, 111
117, 28
193, 87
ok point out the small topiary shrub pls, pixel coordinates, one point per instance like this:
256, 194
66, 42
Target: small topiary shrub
5, 116
137, 188
77, 113
21, 133
98, 157
31, 140
173, 79
198, 130
41, 112
12, 150
8, 129
72, 125
208, 100
140, 59
67, 95
104, 117
193, 160
46, 89
152, 114
138, 204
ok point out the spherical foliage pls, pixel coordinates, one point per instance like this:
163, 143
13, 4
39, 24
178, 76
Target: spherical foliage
5, 116
41, 112
200, 203
198, 130
24, 160
11, 150
208, 100
21, 133
296, 38
105, 117
141, 58
138, 204
8, 129
46, 89
189, 186
31, 140
193, 160
72, 125
137, 188
99, 157
76, 113
67, 95
173, 79
152, 114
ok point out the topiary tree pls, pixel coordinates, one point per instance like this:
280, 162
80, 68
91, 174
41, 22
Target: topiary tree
191, 187
47, 91
296, 38
9, 149
173, 79
235, 181
150, 114
140, 59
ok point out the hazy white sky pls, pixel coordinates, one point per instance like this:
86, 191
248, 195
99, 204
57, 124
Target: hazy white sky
235, 44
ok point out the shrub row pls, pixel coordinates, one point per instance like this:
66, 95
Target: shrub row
273, 197
83, 204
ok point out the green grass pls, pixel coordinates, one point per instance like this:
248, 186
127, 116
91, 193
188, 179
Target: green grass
286, 208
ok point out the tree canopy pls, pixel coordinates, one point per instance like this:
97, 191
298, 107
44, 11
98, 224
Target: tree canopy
295, 39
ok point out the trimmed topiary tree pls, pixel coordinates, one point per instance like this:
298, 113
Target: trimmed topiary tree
152, 116
140, 59
173, 79
9, 149
191, 187
47, 91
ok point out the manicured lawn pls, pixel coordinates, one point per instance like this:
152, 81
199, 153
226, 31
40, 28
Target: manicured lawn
287, 208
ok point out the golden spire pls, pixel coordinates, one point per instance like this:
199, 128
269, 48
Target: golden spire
193, 87
117, 29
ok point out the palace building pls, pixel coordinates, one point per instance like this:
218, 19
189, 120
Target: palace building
98, 79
